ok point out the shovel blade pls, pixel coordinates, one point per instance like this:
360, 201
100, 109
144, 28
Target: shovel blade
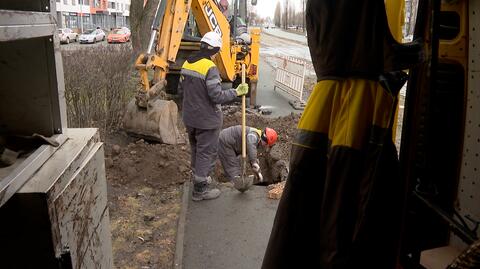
242, 184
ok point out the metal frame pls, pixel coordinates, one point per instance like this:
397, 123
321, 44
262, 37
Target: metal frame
469, 182
16, 25
24, 25
289, 81
26, 169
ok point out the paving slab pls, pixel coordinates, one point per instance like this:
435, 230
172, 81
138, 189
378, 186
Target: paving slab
231, 231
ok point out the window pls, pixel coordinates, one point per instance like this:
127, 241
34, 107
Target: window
65, 2
74, 2
71, 21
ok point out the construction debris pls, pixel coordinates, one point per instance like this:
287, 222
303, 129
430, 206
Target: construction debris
298, 105
276, 190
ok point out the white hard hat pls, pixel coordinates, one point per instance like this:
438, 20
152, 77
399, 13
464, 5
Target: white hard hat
213, 39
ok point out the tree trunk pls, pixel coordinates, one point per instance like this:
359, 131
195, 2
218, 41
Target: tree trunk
141, 19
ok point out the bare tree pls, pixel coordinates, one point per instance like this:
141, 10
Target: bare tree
142, 13
291, 14
303, 15
278, 15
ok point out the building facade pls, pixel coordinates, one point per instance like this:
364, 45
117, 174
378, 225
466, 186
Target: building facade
81, 15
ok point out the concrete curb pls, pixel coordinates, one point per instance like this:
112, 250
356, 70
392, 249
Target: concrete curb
182, 218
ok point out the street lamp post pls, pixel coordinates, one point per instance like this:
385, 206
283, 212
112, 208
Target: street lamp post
116, 14
303, 16
80, 2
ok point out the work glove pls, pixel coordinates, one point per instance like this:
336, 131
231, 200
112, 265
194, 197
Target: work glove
256, 168
242, 89
260, 177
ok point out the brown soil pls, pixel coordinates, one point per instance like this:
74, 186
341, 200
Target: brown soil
144, 199
144, 182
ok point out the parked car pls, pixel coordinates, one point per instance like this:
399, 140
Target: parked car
92, 36
66, 35
118, 35
125, 29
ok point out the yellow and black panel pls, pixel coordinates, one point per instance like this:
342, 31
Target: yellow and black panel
343, 175
432, 137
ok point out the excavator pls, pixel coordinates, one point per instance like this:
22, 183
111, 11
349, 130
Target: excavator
152, 117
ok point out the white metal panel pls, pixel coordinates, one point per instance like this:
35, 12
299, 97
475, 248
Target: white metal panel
469, 183
290, 77
24, 170
55, 174
16, 25
81, 214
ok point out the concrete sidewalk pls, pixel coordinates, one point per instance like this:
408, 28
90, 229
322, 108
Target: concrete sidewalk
229, 232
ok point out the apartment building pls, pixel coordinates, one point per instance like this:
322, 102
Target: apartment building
88, 14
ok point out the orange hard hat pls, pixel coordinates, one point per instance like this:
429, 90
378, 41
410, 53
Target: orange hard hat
269, 136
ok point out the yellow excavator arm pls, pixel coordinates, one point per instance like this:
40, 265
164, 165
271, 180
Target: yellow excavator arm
173, 15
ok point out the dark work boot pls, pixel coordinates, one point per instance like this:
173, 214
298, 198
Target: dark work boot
202, 190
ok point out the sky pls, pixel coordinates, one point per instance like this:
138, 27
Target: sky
266, 8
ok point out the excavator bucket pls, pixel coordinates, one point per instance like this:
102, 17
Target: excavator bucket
158, 121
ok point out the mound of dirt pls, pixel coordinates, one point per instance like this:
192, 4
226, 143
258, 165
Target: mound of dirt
144, 189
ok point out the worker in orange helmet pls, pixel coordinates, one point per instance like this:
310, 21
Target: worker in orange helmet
230, 148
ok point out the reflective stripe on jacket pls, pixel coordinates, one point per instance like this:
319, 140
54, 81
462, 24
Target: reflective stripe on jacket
200, 85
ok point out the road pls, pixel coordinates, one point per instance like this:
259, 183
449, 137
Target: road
277, 45
286, 35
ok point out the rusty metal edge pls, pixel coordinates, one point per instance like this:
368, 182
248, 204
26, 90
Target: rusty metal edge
179, 242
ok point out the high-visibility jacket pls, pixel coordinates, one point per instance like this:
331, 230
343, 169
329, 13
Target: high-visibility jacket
200, 85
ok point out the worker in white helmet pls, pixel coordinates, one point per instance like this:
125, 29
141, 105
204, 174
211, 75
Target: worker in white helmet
200, 85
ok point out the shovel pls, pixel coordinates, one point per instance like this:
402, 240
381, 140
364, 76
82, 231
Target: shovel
244, 182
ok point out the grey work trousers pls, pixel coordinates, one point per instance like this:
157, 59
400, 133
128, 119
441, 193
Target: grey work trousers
230, 161
204, 147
